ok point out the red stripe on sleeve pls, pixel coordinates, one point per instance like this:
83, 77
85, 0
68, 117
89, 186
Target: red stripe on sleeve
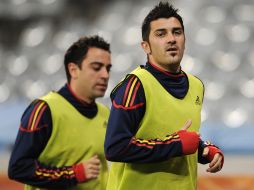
29, 131
151, 142
127, 108
39, 117
127, 89
32, 115
134, 94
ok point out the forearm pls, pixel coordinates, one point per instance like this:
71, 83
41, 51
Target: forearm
120, 146
33, 173
144, 151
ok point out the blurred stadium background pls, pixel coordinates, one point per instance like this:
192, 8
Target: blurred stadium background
34, 35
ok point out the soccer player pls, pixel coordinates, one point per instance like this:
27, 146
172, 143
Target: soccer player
152, 135
60, 140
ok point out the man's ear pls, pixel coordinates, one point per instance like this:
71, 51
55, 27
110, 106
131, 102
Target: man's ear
73, 70
146, 47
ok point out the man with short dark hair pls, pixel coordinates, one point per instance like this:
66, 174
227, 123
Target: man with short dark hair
60, 140
152, 135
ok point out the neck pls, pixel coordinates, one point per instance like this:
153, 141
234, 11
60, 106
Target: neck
78, 95
173, 68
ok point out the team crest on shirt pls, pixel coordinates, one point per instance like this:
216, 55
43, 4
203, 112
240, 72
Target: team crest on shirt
198, 101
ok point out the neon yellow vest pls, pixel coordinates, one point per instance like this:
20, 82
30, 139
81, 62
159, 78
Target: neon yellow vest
164, 115
74, 139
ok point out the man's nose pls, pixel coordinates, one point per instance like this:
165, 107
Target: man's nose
171, 38
105, 73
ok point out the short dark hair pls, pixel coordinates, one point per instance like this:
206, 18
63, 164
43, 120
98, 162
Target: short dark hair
162, 10
78, 51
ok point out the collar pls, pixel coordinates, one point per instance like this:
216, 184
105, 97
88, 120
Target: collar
86, 109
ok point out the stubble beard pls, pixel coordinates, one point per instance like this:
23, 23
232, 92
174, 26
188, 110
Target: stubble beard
173, 64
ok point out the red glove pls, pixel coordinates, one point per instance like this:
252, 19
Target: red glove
212, 151
190, 141
79, 171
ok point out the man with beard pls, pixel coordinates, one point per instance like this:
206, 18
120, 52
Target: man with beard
152, 135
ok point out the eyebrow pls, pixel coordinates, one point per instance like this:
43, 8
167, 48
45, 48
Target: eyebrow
163, 29
100, 64
160, 30
177, 28
96, 63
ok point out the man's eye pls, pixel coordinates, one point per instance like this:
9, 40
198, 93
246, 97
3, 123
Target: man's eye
160, 34
96, 68
178, 32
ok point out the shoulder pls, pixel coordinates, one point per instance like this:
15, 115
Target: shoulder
36, 105
31, 117
195, 80
128, 94
129, 83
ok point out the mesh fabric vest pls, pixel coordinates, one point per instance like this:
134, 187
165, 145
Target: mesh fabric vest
74, 139
164, 115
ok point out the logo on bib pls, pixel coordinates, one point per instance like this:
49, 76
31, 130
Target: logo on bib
198, 101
